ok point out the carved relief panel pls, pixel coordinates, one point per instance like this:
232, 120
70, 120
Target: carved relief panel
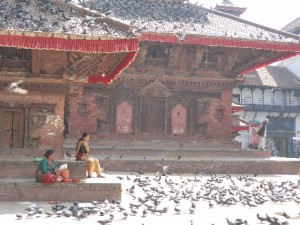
178, 123
124, 117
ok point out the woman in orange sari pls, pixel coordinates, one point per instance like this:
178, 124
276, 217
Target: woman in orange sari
82, 150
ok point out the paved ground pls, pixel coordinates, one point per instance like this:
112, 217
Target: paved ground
203, 214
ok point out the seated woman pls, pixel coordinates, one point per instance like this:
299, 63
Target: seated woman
82, 150
47, 171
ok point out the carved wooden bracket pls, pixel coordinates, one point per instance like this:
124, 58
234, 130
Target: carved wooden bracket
155, 89
174, 53
232, 56
141, 56
198, 57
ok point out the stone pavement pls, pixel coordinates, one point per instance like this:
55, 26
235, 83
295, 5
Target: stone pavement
203, 214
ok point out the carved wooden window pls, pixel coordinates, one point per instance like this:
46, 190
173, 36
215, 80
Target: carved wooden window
124, 118
82, 108
15, 60
157, 55
178, 123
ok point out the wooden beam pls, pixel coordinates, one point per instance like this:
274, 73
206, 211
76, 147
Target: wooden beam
35, 62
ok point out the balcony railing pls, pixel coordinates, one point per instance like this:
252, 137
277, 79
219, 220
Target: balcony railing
272, 108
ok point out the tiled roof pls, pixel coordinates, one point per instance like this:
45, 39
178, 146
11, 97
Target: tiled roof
185, 19
272, 76
292, 26
56, 16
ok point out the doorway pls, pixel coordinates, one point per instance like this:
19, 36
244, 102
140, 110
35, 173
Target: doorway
281, 145
12, 129
153, 116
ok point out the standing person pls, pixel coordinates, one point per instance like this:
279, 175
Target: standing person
261, 134
82, 150
47, 170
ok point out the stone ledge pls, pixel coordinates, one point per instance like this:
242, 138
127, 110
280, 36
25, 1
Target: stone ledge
25, 168
209, 165
30, 190
174, 152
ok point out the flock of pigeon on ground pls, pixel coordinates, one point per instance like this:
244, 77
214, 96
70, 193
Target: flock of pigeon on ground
162, 194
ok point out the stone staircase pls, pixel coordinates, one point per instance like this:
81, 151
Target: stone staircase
17, 183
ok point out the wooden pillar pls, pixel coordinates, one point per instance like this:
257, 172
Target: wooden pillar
141, 57
166, 116
140, 113
35, 62
1, 126
136, 116
26, 128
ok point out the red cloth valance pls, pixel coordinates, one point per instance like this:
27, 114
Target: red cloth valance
62, 44
98, 78
191, 40
159, 38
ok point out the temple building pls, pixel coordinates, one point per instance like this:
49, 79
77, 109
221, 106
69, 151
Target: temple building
177, 64
228, 7
179, 87
48, 49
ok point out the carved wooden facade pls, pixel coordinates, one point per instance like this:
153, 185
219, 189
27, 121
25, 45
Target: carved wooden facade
168, 90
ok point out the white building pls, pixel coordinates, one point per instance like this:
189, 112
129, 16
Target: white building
272, 92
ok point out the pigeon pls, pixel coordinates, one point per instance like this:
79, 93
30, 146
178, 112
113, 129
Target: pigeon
108, 157
144, 213
134, 212
19, 216
68, 154
125, 214
49, 213
262, 219
179, 157
14, 88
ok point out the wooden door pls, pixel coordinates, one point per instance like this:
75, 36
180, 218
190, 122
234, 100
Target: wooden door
281, 146
153, 116
12, 129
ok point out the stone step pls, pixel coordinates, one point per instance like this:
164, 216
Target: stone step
22, 190
205, 165
158, 144
173, 153
26, 168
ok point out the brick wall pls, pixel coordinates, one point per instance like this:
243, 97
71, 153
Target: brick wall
45, 126
52, 62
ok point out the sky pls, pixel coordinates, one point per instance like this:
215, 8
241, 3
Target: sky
272, 13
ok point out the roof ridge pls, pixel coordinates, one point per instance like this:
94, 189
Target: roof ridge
248, 22
287, 26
